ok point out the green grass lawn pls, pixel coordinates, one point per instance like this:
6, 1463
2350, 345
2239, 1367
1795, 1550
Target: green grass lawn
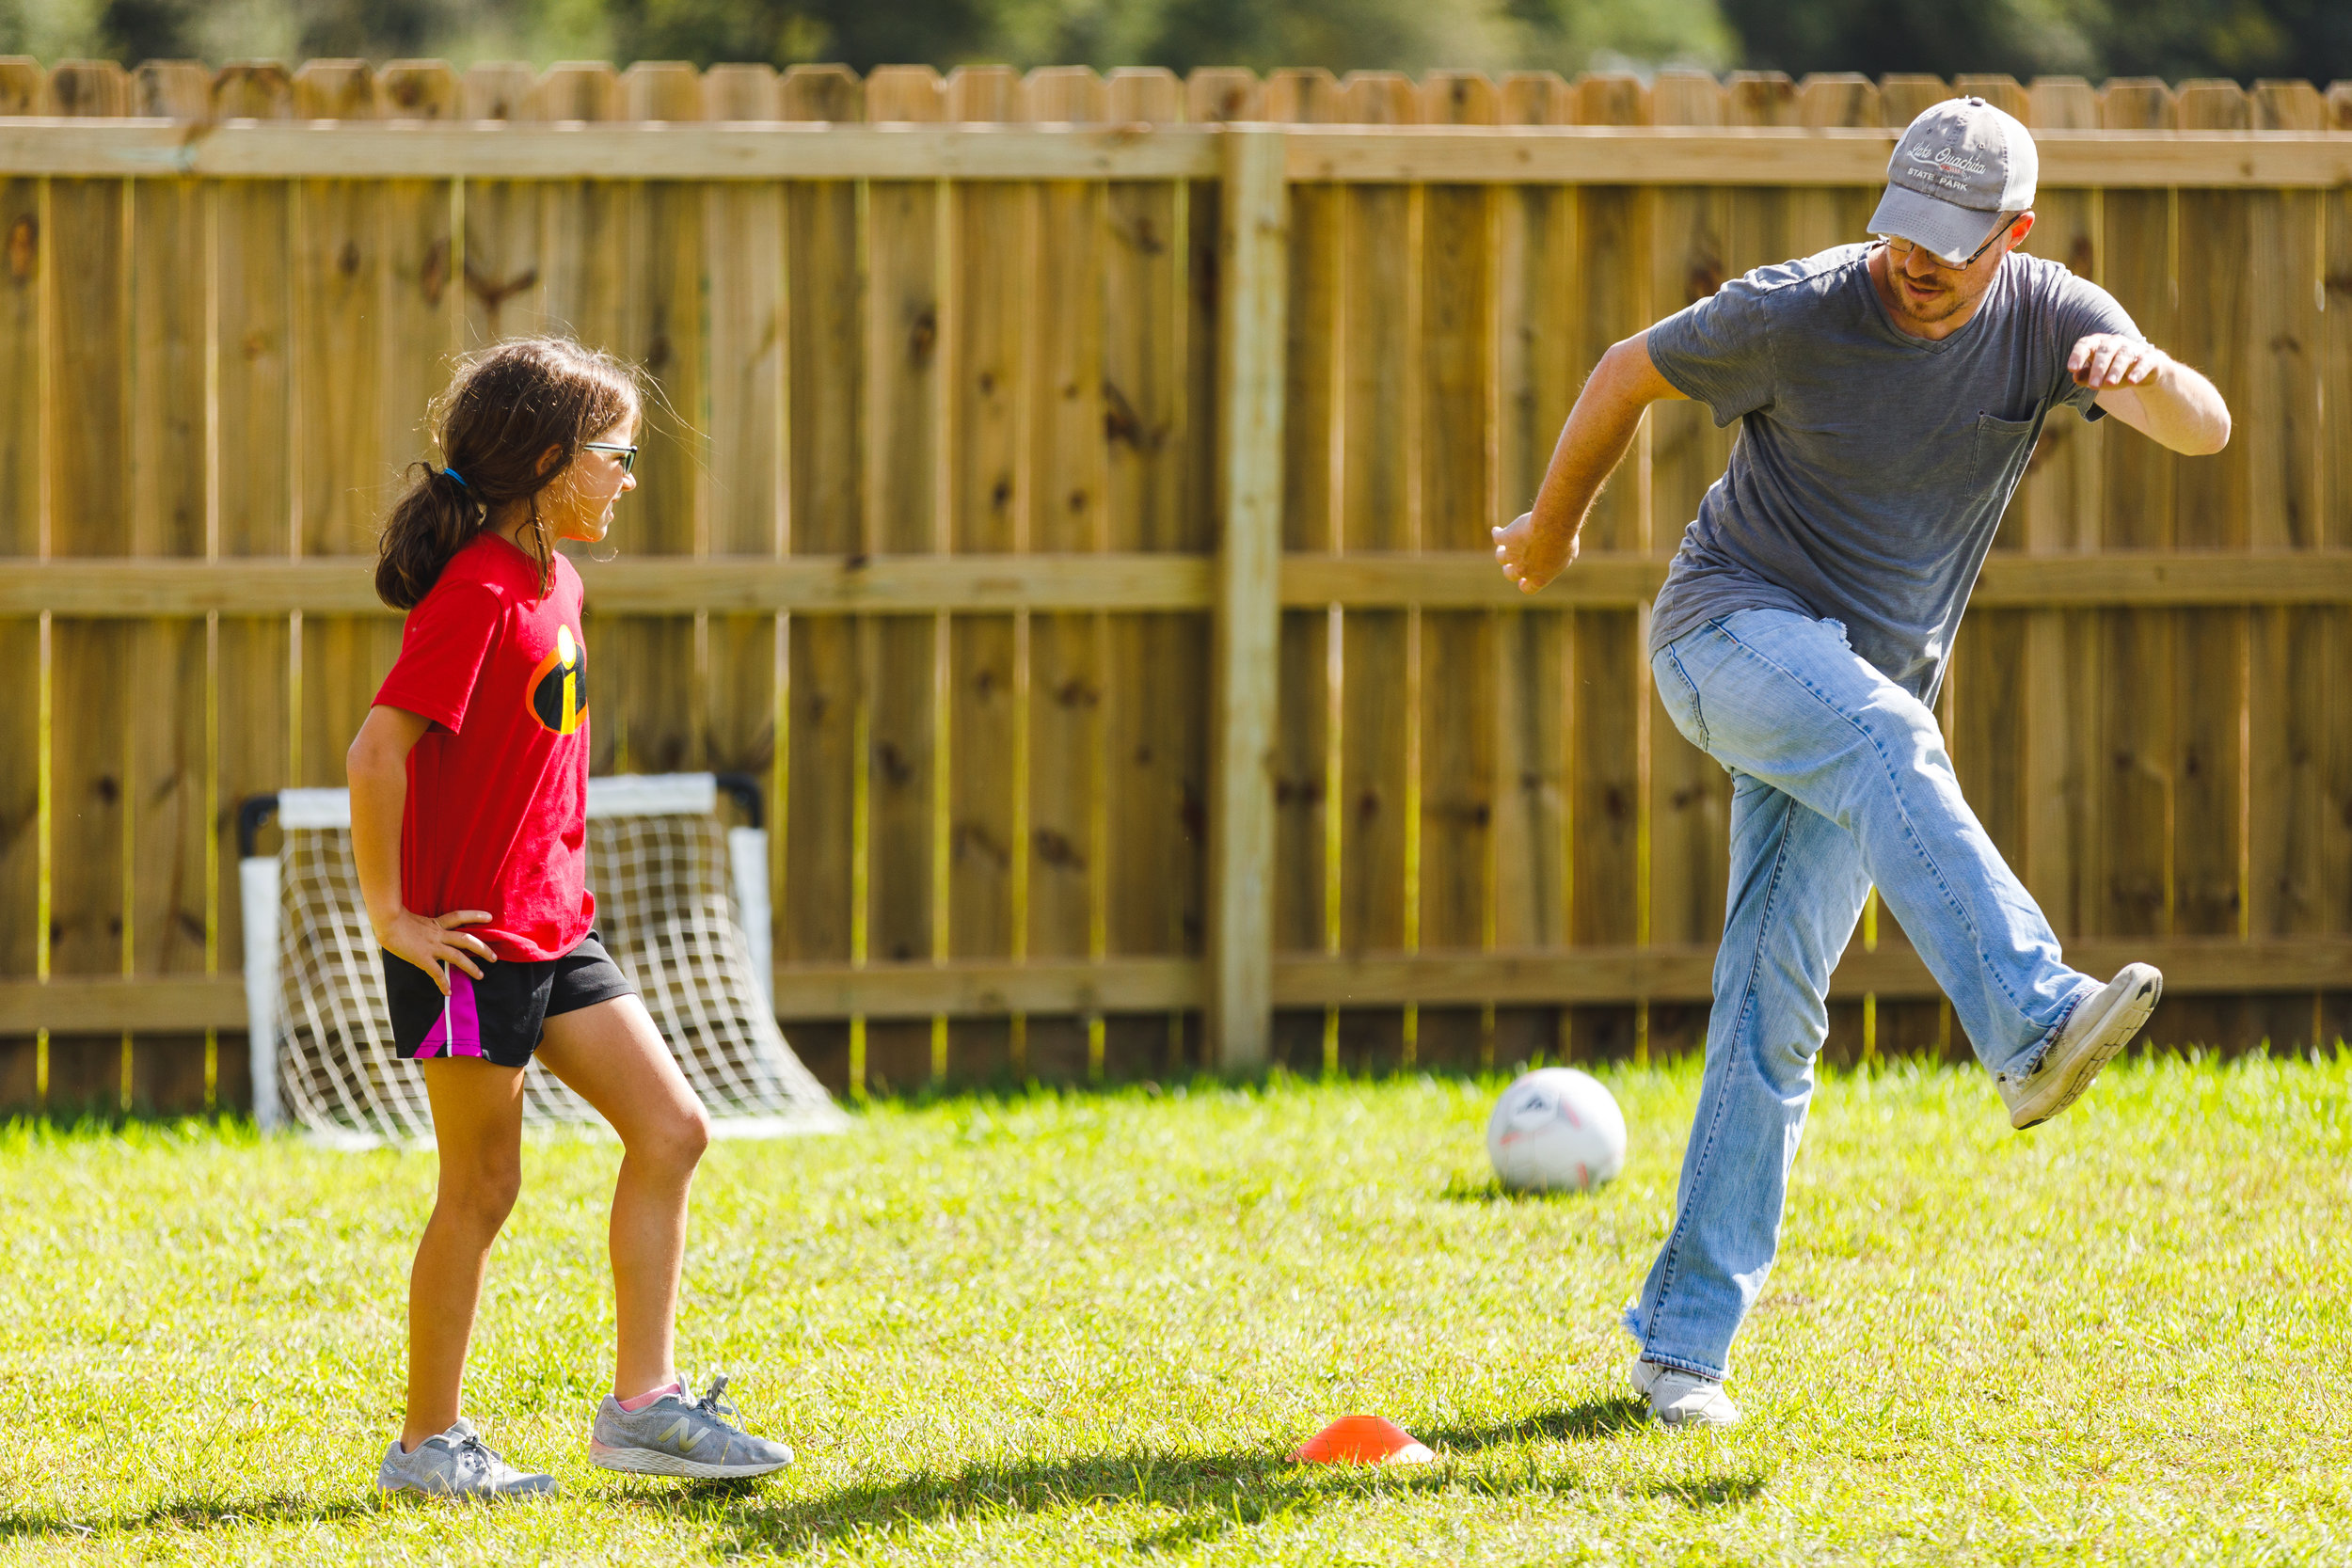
1088, 1328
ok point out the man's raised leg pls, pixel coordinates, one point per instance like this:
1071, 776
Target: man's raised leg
1784, 698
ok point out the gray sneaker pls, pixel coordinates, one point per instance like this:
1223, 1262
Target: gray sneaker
1680, 1399
2103, 1023
457, 1464
676, 1437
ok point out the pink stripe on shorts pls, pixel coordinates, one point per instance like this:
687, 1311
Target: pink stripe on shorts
458, 1031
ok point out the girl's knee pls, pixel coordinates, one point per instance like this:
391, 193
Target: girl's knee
676, 1141
693, 1134
478, 1200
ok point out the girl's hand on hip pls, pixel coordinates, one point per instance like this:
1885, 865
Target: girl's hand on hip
433, 944
1528, 559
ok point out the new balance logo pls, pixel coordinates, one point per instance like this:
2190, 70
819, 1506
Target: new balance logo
682, 1437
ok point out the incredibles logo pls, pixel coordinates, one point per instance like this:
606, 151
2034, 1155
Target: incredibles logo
559, 688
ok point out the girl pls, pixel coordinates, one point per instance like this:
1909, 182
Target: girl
469, 808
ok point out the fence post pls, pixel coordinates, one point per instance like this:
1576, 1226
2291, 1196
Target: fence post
1254, 308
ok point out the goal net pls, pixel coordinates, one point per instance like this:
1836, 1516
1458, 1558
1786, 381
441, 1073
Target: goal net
681, 904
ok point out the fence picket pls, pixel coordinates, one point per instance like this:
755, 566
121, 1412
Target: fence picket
22, 284
988, 655
2333, 629
1380, 698
2289, 693
2134, 884
24, 1063
1307, 791
1454, 364
1064, 848
2210, 646
1609, 673
1155, 743
84, 378
905, 443
172, 924
747, 265
1536, 340
251, 251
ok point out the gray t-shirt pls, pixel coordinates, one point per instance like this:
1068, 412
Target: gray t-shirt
1871, 467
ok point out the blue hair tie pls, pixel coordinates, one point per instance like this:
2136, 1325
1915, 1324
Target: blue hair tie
459, 476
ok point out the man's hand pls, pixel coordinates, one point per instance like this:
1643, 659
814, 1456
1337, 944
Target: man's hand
2111, 359
1529, 560
431, 944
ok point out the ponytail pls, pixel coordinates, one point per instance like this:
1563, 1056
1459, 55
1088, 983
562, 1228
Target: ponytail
510, 409
437, 517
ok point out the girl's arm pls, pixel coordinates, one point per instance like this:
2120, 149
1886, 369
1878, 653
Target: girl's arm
379, 767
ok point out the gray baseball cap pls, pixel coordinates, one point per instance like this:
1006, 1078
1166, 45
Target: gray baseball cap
1958, 167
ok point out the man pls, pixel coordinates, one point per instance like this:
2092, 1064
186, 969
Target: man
1889, 395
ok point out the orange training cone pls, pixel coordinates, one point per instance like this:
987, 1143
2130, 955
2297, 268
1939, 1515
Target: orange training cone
1363, 1440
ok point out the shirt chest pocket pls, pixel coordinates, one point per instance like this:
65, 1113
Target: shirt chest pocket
2002, 450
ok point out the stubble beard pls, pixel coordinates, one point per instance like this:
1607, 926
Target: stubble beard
1938, 306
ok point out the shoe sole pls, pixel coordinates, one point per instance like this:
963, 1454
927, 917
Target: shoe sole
2113, 1033
1675, 1423
652, 1462
520, 1494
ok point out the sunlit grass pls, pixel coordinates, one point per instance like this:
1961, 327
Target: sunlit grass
1089, 1328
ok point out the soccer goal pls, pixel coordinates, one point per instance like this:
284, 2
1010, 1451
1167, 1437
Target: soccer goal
681, 904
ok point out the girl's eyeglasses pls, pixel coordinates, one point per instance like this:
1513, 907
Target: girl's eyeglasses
627, 454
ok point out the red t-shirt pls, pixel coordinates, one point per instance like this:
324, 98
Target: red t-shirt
497, 788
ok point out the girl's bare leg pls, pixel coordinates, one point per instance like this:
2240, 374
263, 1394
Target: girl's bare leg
478, 1124
613, 1057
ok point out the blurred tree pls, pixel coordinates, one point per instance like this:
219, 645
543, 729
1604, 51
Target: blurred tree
859, 33
2172, 39
137, 30
1415, 34
1342, 35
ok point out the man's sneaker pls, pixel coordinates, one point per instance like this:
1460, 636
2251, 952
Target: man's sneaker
457, 1464
1680, 1399
2103, 1023
676, 1437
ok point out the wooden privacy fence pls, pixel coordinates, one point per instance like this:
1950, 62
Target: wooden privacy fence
1072, 496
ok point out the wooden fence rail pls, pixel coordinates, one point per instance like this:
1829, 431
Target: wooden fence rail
1071, 494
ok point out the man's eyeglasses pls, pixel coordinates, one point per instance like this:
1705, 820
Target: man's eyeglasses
1900, 250
627, 454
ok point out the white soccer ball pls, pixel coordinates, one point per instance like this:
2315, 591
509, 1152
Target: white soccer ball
1556, 1130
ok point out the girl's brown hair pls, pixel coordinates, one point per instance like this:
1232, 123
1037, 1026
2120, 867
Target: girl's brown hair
509, 404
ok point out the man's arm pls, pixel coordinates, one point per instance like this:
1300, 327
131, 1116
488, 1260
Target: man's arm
1540, 543
2153, 393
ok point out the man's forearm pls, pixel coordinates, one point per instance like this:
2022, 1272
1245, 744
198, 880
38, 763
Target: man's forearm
2175, 407
2184, 411
1600, 431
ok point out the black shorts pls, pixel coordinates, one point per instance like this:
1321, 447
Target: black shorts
497, 1018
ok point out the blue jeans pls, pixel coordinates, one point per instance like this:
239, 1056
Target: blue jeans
1839, 780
